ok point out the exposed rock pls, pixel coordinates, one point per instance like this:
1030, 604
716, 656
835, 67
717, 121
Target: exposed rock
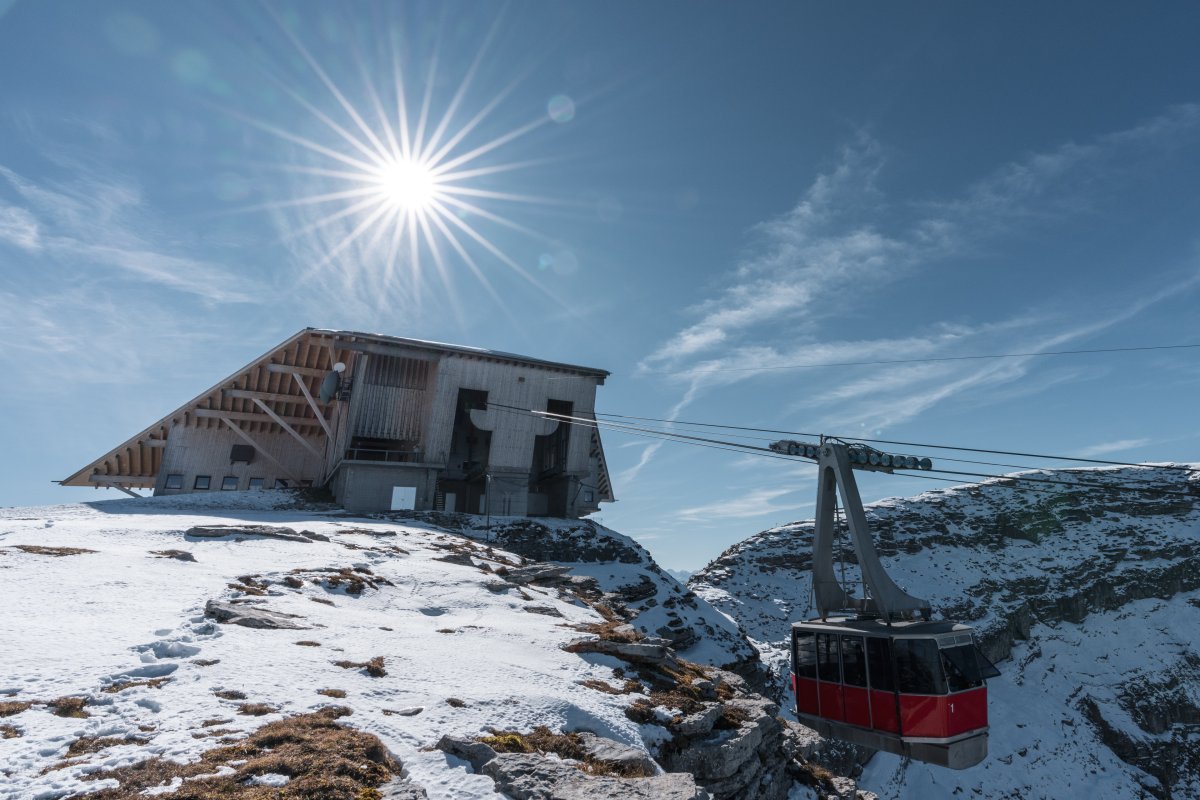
249, 616
532, 777
643, 652
401, 789
625, 759
263, 531
538, 573
475, 753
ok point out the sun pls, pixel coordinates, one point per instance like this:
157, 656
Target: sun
408, 185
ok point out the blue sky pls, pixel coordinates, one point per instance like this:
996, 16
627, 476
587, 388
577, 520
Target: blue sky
691, 195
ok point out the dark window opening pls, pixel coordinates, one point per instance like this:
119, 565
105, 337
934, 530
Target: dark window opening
229, 483
918, 667
202, 482
805, 657
174, 481
827, 658
243, 453
470, 447
879, 661
256, 483
282, 483
854, 662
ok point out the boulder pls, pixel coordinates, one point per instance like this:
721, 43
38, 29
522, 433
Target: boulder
646, 652
401, 789
475, 753
264, 531
249, 616
621, 757
532, 777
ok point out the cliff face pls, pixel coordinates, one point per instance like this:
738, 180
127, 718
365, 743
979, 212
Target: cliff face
1088, 597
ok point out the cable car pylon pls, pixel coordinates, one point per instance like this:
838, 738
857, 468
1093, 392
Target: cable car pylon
876, 670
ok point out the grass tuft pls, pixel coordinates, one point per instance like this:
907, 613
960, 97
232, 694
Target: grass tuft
374, 667
308, 643
69, 707
11, 707
338, 693
37, 549
325, 761
230, 694
121, 686
256, 709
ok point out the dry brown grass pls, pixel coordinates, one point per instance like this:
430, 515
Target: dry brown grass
256, 709
321, 600
230, 694
629, 687
92, 744
308, 643
612, 630
205, 662
152, 683
11, 707
324, 760
69, 707
338, 693
454, 702
564, 745
208, 723
356, 580
9, 732
374, 667
37, 549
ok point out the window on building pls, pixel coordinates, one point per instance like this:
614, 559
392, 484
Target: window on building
255, 483
174, 481
282, 483
202, 482
229, 483
306, 483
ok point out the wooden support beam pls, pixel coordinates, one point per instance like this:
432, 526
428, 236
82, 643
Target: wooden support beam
129, 492
313, 405
130, 480
287, 427
310, 372
270, 397
248, 416
233, 426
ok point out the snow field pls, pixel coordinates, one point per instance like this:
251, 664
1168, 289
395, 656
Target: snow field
75, 624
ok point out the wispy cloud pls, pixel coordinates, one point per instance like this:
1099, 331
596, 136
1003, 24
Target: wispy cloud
771, 312
99, 220
1105, 448
755, 503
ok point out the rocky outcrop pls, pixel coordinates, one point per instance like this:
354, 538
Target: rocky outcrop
259, 531
250, 617
531, 776
1011, 564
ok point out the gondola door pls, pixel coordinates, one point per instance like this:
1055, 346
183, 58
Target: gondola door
856, 701
829, 677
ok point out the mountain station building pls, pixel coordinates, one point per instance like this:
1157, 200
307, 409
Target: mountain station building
386, 423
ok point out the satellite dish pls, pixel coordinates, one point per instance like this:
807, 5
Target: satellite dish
331, 384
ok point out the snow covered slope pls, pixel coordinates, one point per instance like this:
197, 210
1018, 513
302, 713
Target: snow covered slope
1092, 595
106, 603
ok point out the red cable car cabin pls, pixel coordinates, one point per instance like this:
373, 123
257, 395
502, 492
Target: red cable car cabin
911, 688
